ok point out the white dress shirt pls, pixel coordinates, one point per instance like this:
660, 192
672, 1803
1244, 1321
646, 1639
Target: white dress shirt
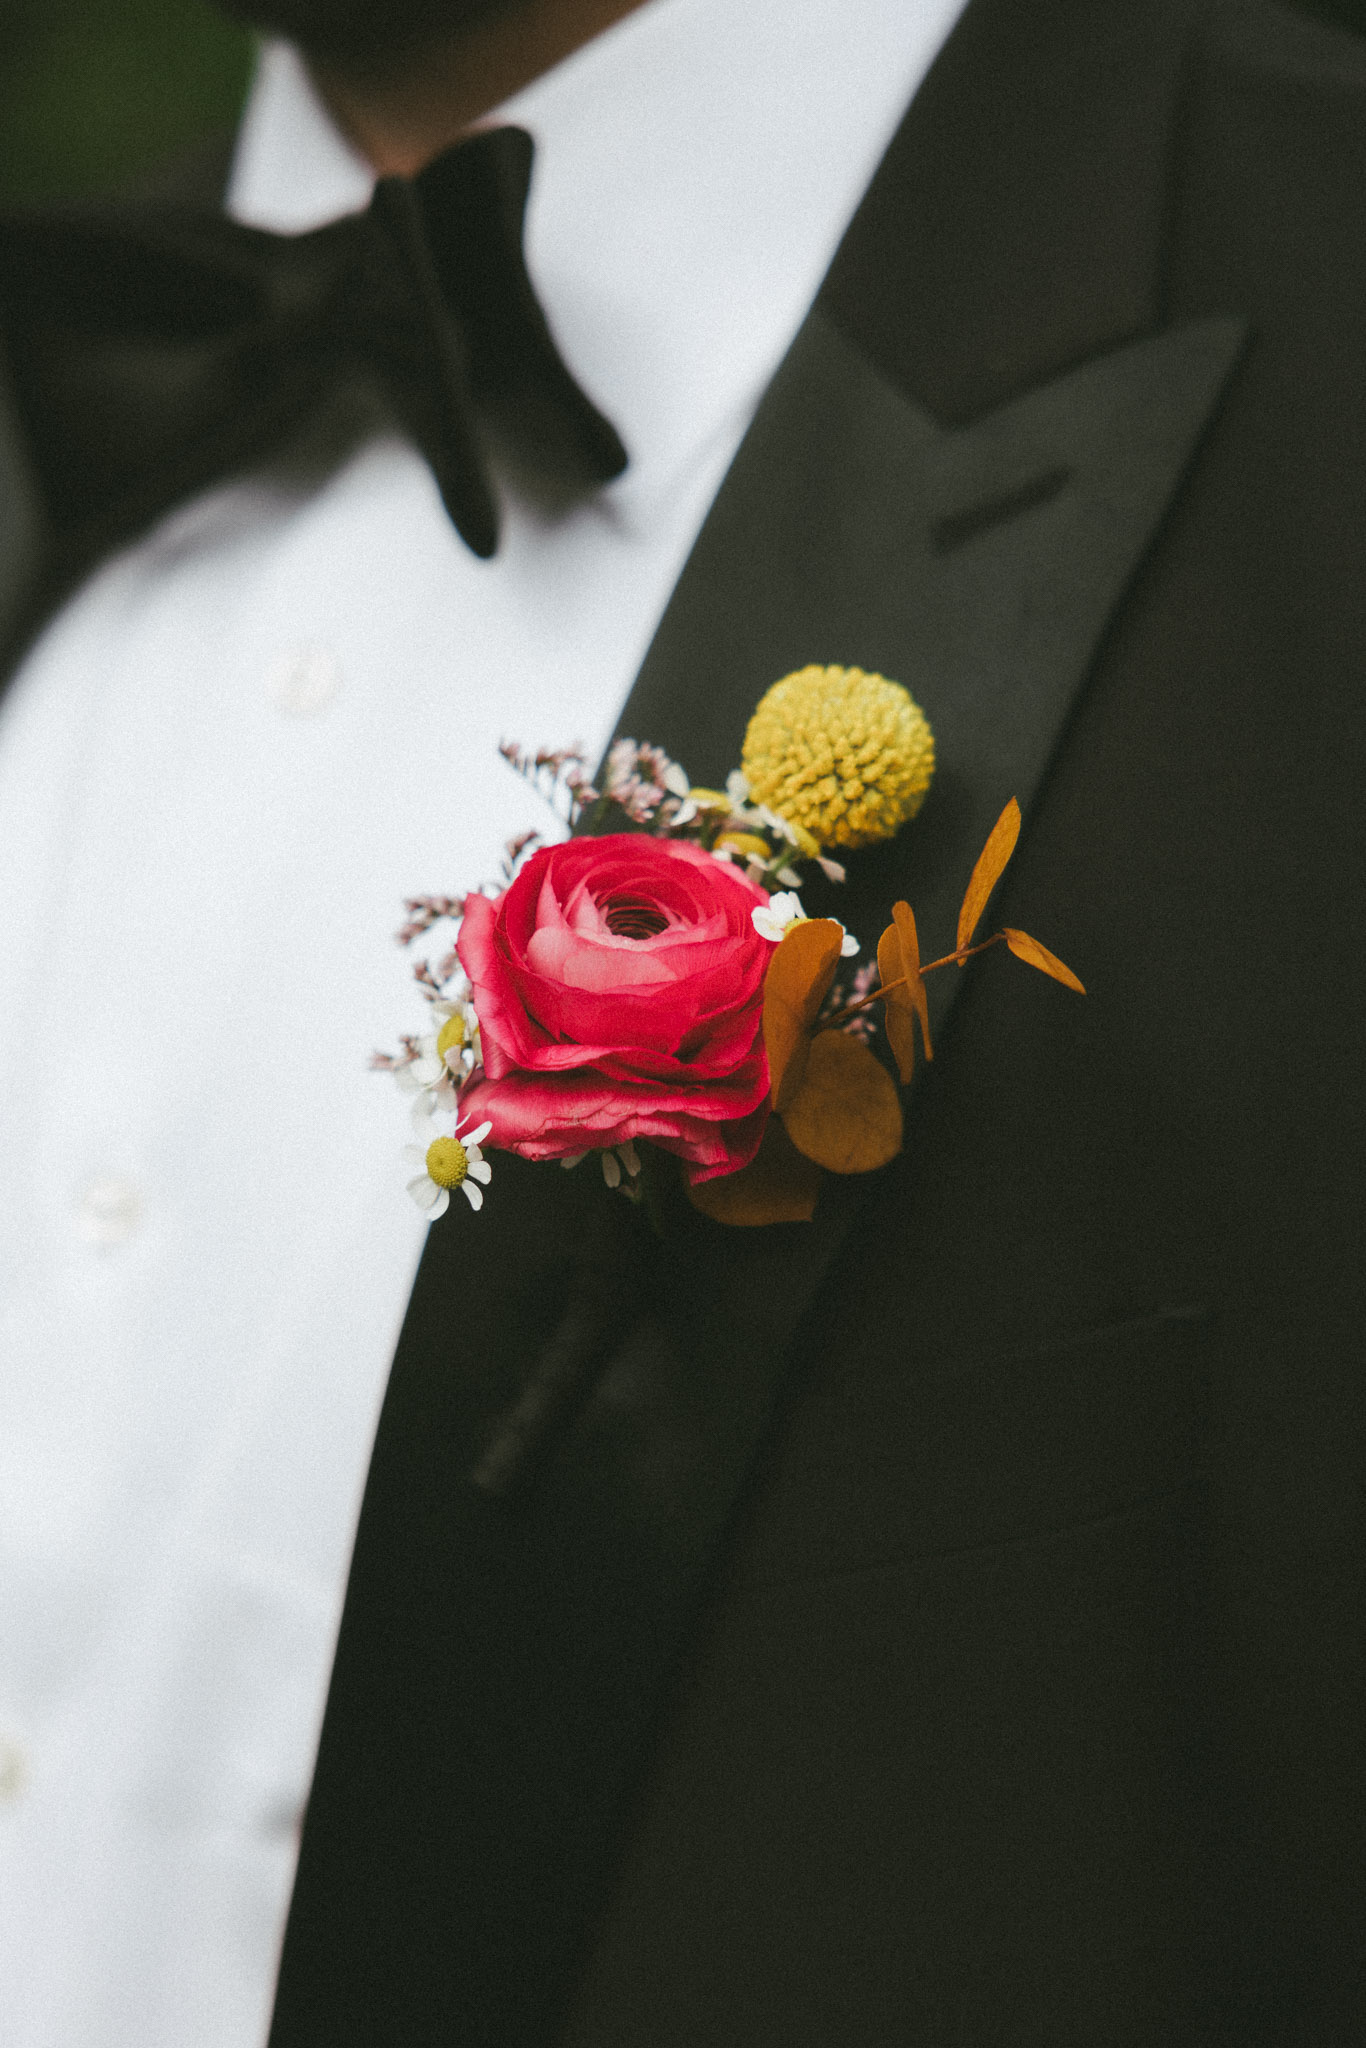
221, 769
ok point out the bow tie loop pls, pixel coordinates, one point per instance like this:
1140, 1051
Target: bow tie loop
473, 204
154, 351
423, 360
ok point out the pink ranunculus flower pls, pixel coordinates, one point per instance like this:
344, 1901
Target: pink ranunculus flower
619, 988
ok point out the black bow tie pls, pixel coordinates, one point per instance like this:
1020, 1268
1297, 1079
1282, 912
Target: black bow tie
155, 351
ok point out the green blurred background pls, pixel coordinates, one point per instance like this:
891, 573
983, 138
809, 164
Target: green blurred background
93, 92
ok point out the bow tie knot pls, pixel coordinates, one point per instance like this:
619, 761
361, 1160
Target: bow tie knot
155, 351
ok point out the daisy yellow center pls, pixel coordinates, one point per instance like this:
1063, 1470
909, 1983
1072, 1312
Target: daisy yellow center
452, 1033
447, 1162
841, 754
745, 844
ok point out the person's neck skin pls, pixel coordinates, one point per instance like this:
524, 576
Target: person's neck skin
403, 123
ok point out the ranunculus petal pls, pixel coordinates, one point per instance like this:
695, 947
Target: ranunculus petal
619, 986
601, 964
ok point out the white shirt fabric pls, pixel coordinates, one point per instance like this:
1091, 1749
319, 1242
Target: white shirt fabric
221, 769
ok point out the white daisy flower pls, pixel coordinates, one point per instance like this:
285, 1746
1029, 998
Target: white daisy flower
444, 1056
447, 1163
774, 919
703, 799
424, 1070
677, 783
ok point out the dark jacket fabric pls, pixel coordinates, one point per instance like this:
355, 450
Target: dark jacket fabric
942, 1623
997, 1679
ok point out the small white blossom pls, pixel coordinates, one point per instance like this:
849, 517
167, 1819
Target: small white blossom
675, 780
612, 1163
778, 824
772, 919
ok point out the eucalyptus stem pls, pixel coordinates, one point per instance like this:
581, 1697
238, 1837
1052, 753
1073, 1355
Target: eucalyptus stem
838, 1022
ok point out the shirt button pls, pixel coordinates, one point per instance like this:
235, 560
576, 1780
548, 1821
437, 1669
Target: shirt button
109, 1211
13, 1771
304, 681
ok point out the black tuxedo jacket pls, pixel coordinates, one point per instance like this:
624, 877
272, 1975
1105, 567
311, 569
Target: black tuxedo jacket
941, 1623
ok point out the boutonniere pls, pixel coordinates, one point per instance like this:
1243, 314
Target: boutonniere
649, 990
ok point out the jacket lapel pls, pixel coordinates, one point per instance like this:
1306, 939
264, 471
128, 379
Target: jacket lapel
955, 490
978, 564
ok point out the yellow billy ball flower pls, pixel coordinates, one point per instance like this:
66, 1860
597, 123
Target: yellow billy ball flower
452, 1033
840, 754
447, 1162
